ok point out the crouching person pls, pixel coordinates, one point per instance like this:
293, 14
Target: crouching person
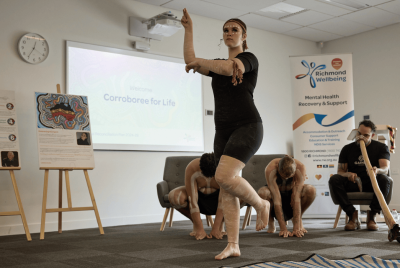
200, 195
288, 195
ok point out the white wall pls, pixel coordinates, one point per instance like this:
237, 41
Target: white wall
376, 64
124, 183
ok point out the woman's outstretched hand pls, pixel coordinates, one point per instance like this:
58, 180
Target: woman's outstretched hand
186, 20
195, 65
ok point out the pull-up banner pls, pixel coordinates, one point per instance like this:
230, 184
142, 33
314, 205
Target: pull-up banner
323, 116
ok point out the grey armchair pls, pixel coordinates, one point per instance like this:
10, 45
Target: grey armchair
357, 198
254, 173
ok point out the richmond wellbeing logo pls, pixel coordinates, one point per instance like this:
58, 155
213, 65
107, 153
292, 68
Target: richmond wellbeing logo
323, 76
311, 69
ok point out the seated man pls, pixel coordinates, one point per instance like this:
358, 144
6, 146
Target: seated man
288, 194
200, 194
351, 165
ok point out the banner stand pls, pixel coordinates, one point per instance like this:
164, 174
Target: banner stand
21, 209
323, 115
60, 209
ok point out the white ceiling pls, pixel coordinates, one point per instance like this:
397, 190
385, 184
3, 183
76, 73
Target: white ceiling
322, 21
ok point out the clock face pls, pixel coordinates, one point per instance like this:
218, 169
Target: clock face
33, 48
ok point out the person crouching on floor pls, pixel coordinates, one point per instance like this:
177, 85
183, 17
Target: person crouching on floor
200, 195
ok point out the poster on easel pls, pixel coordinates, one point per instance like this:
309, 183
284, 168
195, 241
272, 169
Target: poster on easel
9, 138
63, 131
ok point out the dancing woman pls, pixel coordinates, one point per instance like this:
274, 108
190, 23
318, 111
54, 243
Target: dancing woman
239, 130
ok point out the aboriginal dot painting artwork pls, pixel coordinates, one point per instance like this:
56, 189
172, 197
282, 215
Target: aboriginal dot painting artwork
59, 111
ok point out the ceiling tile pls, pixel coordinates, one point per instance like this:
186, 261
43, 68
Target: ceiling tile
341, 26
268, 24
312, 34
373, 17
364, 3
320, 7
154, 2
205, 9
393, 7
374, 2
307, 18
245, 6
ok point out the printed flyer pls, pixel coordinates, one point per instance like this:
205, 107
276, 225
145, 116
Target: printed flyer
9, 138
63, 131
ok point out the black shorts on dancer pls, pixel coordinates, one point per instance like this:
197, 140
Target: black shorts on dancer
208, 203
240, 142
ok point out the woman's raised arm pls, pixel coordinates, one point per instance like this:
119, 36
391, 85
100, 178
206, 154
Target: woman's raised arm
188, 48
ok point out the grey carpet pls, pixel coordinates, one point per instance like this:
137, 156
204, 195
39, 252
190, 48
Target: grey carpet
145, 246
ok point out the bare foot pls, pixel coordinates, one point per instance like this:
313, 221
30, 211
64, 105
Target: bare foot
302, 228
271, 226
231, 250
193, 233
263, 216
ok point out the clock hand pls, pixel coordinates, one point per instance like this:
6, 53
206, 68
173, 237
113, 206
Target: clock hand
32, 50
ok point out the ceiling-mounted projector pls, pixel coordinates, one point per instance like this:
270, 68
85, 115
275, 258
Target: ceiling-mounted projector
165, 24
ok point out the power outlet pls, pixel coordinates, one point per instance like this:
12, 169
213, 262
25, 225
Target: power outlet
395, 171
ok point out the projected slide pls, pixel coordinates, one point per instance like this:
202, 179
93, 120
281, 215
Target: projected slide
137, 101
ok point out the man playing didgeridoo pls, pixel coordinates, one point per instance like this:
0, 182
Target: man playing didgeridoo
288, 194
238, 125
351, 165
200, 194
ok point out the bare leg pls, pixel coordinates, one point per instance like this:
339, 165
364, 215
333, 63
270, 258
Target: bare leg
308, 195
265, 194
234, 187
218, 229
231, 209
179, 200
226, 177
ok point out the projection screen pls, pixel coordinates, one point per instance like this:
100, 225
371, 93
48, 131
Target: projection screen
137, 101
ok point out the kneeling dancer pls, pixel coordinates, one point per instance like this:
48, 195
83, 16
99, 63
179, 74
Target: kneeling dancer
200, 195
288, 194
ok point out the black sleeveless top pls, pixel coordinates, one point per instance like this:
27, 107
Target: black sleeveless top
234, 105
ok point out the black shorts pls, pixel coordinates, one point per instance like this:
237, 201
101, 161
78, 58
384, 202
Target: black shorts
240, 142
208, 203
286, 207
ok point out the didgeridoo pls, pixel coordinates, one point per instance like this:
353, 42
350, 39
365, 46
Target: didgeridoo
394, 230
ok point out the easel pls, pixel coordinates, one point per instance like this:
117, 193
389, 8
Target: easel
21, 209
60, 209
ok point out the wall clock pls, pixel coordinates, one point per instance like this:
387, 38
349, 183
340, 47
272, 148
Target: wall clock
33, 48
